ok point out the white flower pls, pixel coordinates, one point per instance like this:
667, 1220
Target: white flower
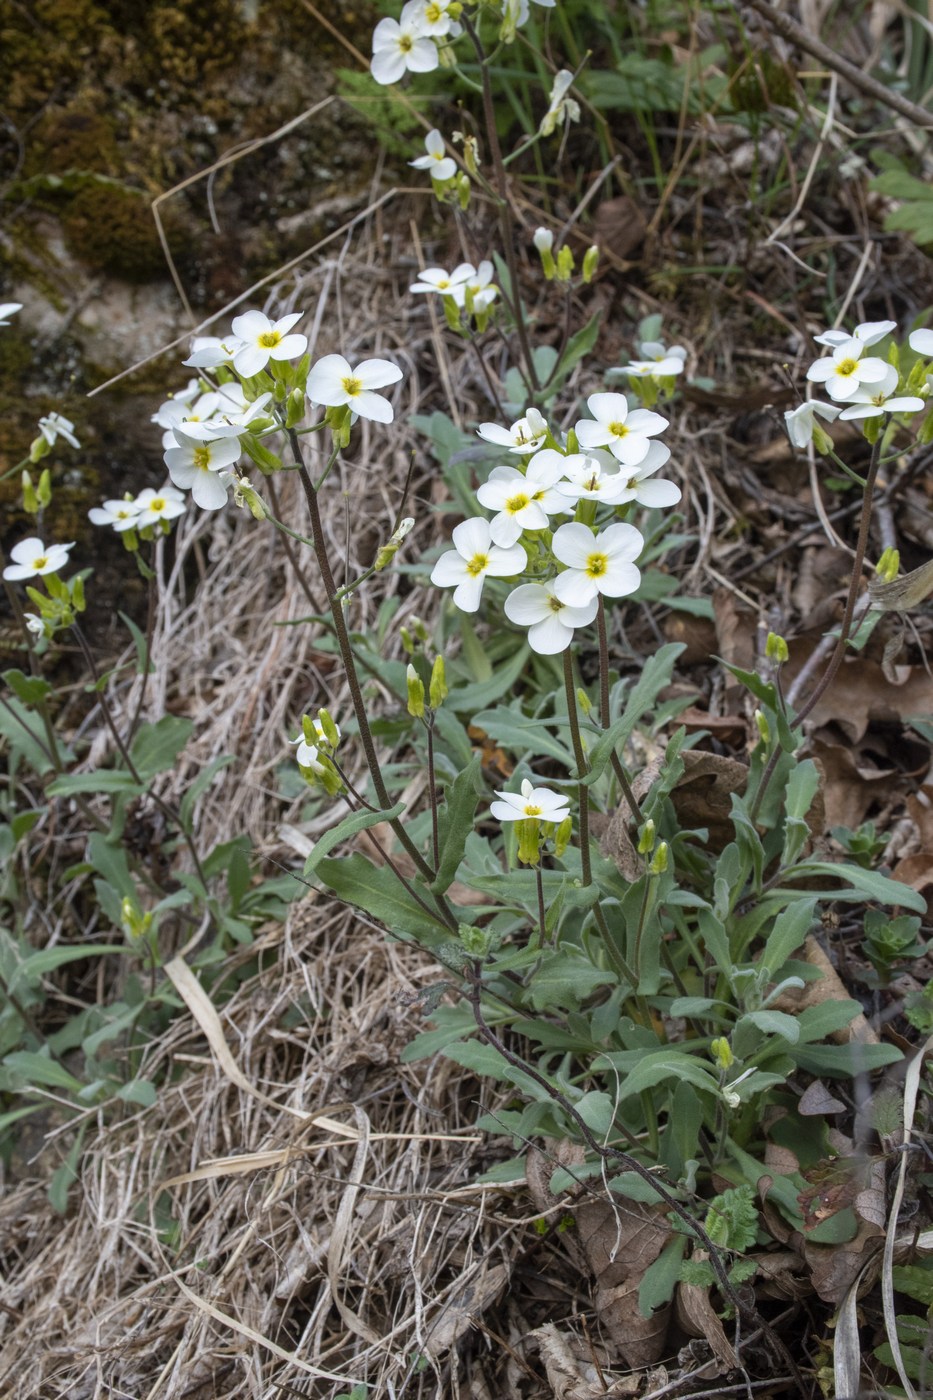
532, 803
550, 621
441, 165
869, 333
56, 425
478, 291
626, 433
596, 564
844, 371
122, 515
656, 361
306, 755
401, 46
431, 18
261, 340
875, 400
207, 352
588, 479
9, 308
524, 436
464, 568
152, 505
524, 500
33, 621
543, 240
197, 467
921, 341
799, 421
562, 107
333, 383
31, 558
638, 486
448, 284
592, 477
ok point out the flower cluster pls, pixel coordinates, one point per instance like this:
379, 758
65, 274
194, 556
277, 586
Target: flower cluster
149, 508
467, 289
261, 381
419, 40
865, 386
610, 459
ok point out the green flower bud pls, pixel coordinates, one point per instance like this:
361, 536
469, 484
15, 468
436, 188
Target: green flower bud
888, 566
776, 649
721, 1052
822, 442
764, 728
30, 499
590, 262
583, 700
328, 729
452, 313
464, 190
871, 427
247, 498
419, 628
562, 836
925, 435
415, 693
438, 690
408, 641
659, 860
477, 942
295, 409
646, 840
38, 449
388, 551
565, 264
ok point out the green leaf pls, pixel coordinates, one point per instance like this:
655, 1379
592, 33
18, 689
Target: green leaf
825, 1018
64, 1177
144, 662
139, 1091
835, 1229
468, 698
29, 689
200, 785
660, 1278
566, 979
47, 960
788, 932
657, 1066
344, 830
802, 787
459, 811
522, 734
111, 864
845, 1061
109, 780
157, 746
41, 1070
377, 890
579, 344
24, 733
597, 1110
773, 1023
656, 674
865, 883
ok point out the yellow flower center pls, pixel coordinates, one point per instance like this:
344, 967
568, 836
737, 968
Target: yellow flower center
352, 386
41, 562
596, 565
847, 367
618, 429
433, 13
477, 564
591, 482
516, 503
554, 604
531, 810
202, 458
406, 43
157, 503
269, 340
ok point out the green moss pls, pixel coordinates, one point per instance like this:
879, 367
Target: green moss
74, 137
111, 228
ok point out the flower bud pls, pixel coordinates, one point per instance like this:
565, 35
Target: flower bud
776, 649
477, 942
544, 242
721, 1052
464, 190
529, 840
659, 859
562, 836
438, 689
328, 728
295, 409
646, 840
565, 264
407, 640
388, 551
888, 566
590, 262
30, 499
247, 498
419, 628
38, 449
822, 442
415, 693
583, 700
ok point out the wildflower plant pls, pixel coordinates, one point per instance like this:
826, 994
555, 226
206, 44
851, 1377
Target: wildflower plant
628, 991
